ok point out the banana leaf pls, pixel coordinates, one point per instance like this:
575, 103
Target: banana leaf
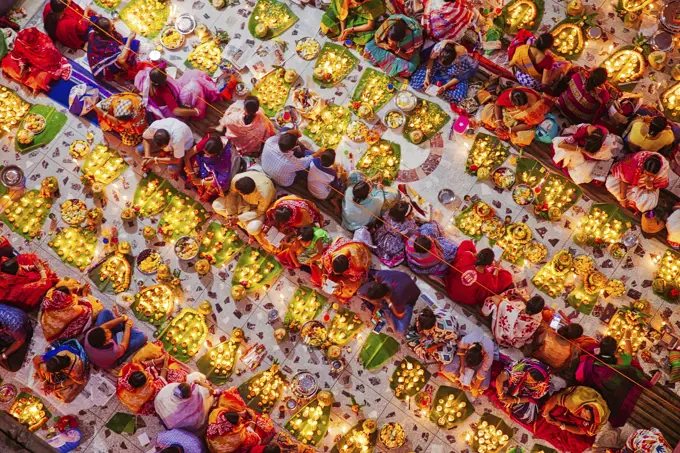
262, 264
17, 222
379, 164
297, 430
75, 246
538, 448
343, 446
437, 411
103, 164
55, 122
274, 9
152, 195
218, 376
105, 285
502, 20
382, 95
410, 392
255, 402
428, 117
183, 216
339, 74
301, 300
378, 349
220, 244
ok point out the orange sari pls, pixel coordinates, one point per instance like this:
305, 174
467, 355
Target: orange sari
349, 282
139, 401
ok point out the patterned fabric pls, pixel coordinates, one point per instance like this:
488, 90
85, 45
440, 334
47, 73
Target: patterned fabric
434, 261
246, 138
14, 324
153, 350
102, 53
143, 86
463, 68
521, 384
581, 105
354, 14
65, 384
359, 262
439, 342
281, 167
310, 252
389, 239
638, 139
64, 316
648, 441
72, 26
511, 326
189, 442
582, 406
532, 114
357, 215
674, 359
26, 289
629, 183
304, 213
124, 104
389, 61
214, 172
197, 91
140, 400
444, 19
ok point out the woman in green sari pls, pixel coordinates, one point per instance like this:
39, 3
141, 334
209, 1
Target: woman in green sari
352, 19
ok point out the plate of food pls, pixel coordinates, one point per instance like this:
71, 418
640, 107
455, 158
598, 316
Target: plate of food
7, 393
73, 211
503, 178
287, 117
305, 101
406, 101
171, 38
313, 333
304, 384
356, 131
392, 435
394, 119
35, 123
79, 149
307, 48
148, 261
185, 23
186, 248
25, 137
365, 111
522, 194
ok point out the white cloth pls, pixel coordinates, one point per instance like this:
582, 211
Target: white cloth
281, 167
191, 413
181, 137
318, 181
580, 169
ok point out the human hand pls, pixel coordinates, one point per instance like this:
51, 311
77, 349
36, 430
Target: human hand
128, 323
441, 89
426, 82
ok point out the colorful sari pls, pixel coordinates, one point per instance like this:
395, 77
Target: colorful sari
637, 137
532, 114
64, 316
518, 386
72, 27
69, 382
304, 255
102, 53
197, 91
122, 104
388, 61
35, 61
463, 68
189, 413
438, 343
153, 350
389, 239
528, 73
305, 213
160, 103
511, 326
355, 14
26, 289
247, 139
349, 282
628, 181
141, 400
579, 164
559, 353
215, 171
447, 20
648, 441
434, 261
619, 385
579, 104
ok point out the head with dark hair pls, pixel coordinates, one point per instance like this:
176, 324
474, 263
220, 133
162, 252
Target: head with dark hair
652, 164
448, 54
340, 264
158, 78
306, 233
597, 77
396, 33
213, 146
426, 320
570, 331
52, 18
535, 375
63, 289
282, 214
518, 98
287, 142
103, 27
57, 363
137, 379
232, 417
485, 257
245, 185
327, 158
399, 211
535, 305
273, 447
11, 266
377, 290
608, 347
474, 355
657, 125
184, 390
58, 6
594, 141
161, 138
99, 337
172, 449
422, 244
250, 106
544, 42
360, 191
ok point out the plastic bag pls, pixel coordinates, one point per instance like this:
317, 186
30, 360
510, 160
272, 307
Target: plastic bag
82, 99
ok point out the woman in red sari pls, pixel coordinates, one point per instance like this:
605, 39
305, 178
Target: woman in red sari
344, 268
291, 212
35, 61
635, 181
66, 23
110, 55
24, 280
516, 114
584, 97
138, 386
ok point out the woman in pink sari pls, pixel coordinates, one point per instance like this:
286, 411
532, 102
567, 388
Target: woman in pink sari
583, 97
246, 126
635, 181
447, 19
185, 405
24, 281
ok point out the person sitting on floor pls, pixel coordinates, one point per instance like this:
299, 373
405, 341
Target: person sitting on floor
535, 66
186, 98
583, 96
474, 276
434, 336
284, 159
153, 355
112, 340
353, 20
111, 56
170, 139
581, 147
137, 387
470, 369
185, 405
646, 133
251, 194
210, 166
246, 126
66, 23
394, 292
326, 179
63, 371
304, 247
290, 212
67, 310
16, 333
428, 252
344, 267
390, 237
636, 180
447, 19
395, 48
514, 319
179, 441
24, 280
364, 201
124, 114
521, 387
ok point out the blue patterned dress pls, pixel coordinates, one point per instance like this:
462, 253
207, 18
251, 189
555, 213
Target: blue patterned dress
463, 68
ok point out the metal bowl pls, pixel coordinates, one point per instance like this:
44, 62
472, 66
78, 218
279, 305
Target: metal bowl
406, 96
499, 173
391, 112
311, 56
179, 45
241, 89
306, 330
528, 199
185, 23
144, 254
304, 385
181, 242
446, 197
12, 176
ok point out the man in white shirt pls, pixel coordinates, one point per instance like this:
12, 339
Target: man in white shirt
171, 139
283, 158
